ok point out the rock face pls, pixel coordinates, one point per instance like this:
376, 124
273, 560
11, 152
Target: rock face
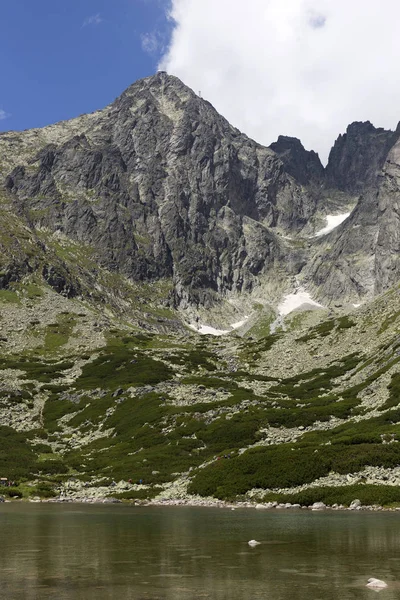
361, 257
160, 186
358, 156
304, 166
387, 256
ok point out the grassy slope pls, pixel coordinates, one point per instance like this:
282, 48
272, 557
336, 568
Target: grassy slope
151, 406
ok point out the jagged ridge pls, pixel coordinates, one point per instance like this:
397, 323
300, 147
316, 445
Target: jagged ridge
160, 185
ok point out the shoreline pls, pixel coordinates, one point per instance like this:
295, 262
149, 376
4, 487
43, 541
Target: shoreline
355, 506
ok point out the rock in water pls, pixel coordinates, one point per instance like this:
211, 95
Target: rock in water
253, 543
376, 584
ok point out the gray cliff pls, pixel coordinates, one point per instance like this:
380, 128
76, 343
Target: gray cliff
162, 187
359, 259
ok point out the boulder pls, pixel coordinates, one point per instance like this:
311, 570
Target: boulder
318, 506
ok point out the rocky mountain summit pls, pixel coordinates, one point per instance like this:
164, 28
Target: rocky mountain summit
360, 258
304, 166
160, 186
358, 157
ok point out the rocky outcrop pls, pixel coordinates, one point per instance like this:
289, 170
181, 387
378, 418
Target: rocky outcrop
162, 186
361, 257
387, 255
342, 267
358, 156
305, 166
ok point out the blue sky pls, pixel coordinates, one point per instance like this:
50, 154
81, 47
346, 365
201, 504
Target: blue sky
61, 59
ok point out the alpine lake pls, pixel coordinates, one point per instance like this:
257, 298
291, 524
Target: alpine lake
81, 552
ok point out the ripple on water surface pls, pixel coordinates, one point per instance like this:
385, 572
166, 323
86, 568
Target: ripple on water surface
174, 554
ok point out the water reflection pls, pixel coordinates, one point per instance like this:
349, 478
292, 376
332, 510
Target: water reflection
96, 552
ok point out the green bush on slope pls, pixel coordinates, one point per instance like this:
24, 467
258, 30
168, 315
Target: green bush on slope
17, 458
289, 465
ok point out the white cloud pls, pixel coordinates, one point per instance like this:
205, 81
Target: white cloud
3, 115
294, 67
93, 20
155, 42
150, 43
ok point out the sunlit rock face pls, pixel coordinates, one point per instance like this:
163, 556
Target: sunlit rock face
163, 186
359, 258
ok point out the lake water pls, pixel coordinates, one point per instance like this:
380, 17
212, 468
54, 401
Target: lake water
84, 552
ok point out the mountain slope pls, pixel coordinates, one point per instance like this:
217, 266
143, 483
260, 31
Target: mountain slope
159, 185
116, 223
162, 186
92, 402
360, 258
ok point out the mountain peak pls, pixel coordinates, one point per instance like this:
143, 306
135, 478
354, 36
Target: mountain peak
303, 165
358, 156
159, 84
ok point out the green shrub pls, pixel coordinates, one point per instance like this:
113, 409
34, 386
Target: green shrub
122, 368
17, 458
51, 467
10, 492
225, 434
326, 327
289, 465
44, 490
345, 323
394, 395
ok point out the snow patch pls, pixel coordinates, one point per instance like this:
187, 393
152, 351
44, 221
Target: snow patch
240, 323
208, 330
332, 221
295, 300
289, 303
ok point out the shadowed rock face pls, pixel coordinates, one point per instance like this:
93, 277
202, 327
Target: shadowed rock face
358, 156
361, 257
343, 265
162, 186
387, 261
304, 166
